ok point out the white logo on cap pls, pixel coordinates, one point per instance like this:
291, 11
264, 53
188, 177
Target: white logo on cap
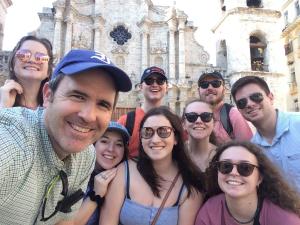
101, 57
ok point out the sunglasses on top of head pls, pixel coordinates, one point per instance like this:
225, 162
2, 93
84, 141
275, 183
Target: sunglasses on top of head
213, 83
244, 169
255, 97
162, 132
192, 117
24, 55
159, 81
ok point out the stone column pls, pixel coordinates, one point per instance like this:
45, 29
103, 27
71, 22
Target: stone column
144, 50
69, 34
181, 47
57, 32
172, 29
98, 25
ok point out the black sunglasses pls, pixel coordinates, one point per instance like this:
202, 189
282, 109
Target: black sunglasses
162, 132
159, 81
255, 97
213, 83
192, 116
244, 169
66, 203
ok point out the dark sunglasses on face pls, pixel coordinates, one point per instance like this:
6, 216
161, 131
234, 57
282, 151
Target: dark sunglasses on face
159, 81
255, 97
213, 83
192, 116
244, 169
24, 55
162, 132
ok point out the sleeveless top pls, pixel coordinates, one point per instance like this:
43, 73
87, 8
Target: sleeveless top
133, 213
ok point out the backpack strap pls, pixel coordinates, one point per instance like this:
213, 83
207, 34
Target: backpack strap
130, 122
225, 119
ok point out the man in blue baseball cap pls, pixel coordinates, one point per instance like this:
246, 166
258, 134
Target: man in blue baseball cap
46, 155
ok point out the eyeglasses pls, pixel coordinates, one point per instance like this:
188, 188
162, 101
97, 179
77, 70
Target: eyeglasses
159, 81
24, 55
66, 203
213, 83
255, 97
244, 169
162, 132
192, 116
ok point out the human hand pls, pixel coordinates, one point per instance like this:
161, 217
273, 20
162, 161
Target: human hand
8, 93
102, 180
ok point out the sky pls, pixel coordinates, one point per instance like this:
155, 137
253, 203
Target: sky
22, 18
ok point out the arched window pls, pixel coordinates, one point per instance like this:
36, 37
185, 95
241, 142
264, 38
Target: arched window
257, 51
254, 3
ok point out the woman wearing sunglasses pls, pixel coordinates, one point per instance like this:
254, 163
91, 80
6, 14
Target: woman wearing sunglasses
30, 66
247, 189
163, 186
111, 149
198, 122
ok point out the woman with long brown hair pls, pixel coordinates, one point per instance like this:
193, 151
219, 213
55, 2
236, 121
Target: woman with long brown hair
245, 187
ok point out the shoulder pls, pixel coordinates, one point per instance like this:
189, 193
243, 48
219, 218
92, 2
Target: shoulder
273, 214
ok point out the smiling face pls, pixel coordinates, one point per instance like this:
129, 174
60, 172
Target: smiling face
233, 184
154, 92
79, 111
109, 149
255, 112
32, 69
198, 130
212, 95
158, 148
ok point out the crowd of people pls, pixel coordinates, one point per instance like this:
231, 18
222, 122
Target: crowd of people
64, 162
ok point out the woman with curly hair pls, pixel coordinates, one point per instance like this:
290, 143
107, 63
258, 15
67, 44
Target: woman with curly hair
199, 124
30, 66
246, 188
163, 186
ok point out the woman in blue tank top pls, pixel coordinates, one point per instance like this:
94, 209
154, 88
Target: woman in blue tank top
138, 190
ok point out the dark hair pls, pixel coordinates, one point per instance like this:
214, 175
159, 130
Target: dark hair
273, 187
11, 63
249, 80
212, 136
191, 175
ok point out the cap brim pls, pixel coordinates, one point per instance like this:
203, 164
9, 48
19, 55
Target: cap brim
125, 135
121, 79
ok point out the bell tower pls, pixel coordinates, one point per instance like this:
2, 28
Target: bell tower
249, 43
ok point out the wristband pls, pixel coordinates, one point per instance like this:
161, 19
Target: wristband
95, 198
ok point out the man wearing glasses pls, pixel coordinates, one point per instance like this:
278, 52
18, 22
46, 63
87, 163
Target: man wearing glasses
277, 132
153, 86
46, 155
229, 124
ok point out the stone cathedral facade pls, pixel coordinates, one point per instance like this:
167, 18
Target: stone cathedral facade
135, 34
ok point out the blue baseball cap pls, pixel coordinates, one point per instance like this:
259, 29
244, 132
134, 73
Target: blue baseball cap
79, 60
153, 70
115, 126
214, 74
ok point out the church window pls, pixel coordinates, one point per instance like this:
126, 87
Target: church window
253, 3
257, 51
288, 48
120, 35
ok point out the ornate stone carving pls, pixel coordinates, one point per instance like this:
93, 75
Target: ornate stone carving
120, 50
120, 35
80, 41
159, 48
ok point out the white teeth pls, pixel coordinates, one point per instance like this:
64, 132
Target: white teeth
80, 129
156, 148
233, 182
108, 157
30, 68
198, 128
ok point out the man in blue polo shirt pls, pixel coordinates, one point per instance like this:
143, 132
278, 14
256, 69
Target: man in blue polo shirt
278, 133
46, 155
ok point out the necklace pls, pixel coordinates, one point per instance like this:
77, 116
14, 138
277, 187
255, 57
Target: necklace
243, 222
